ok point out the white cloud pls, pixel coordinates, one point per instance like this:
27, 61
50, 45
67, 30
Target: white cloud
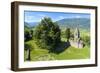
61, 17
30, 19
41, 15
77, 16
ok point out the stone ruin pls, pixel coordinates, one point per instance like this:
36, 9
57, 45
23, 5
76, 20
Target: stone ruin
76, 41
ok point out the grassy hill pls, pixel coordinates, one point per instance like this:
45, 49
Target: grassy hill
70, 53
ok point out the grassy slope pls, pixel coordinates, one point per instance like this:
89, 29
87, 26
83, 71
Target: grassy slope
70, 53
74, 53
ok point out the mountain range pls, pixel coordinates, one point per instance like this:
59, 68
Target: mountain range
83, 23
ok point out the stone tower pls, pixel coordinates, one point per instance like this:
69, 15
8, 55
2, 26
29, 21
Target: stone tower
77, 42
76, 34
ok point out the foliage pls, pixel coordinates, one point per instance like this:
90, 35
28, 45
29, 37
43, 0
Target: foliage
47, 33
28, 48
28, 34
29, 45
67, 32
86, 39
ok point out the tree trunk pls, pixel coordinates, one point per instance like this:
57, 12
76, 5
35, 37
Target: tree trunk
28, 55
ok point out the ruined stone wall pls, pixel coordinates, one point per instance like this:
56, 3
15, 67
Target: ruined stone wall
76, 44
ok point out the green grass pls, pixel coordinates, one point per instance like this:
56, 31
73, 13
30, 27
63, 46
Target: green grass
74, 53
40, 54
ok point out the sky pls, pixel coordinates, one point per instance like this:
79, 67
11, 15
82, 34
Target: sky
36, 16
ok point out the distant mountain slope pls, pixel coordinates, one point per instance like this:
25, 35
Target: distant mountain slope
31, 24
26, 25
83, 23
74, 22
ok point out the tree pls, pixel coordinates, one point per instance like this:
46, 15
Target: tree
28, 47
67, 32
86, 39
48, 33
28, 34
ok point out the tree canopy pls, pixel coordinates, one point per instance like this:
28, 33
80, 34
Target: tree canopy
47, 33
